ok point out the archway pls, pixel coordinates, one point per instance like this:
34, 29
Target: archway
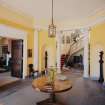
47, 51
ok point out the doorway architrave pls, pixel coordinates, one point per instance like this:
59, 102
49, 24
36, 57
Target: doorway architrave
11, 32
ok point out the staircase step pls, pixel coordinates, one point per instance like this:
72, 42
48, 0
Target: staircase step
63, 56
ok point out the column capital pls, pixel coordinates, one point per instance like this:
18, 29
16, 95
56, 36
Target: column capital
58, 36
37, 29
60, 32
86, 75
40, 27
85, 30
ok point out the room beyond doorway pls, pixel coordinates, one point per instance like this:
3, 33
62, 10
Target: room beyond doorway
11, 56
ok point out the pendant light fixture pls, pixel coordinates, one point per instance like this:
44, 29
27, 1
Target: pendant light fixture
52, 27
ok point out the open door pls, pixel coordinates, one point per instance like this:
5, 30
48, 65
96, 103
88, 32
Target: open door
17, 58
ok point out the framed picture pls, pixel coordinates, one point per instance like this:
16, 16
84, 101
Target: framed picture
29, 52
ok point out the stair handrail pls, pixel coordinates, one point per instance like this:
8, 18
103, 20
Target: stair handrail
68, 55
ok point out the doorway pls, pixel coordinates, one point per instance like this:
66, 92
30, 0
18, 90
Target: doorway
11, 57
17, 58
14, 33
46, 60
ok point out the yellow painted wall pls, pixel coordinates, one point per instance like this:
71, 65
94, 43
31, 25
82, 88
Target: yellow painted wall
49, 44
30, 42
97, 43
16, 20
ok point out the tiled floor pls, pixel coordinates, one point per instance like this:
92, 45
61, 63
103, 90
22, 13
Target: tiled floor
84, 92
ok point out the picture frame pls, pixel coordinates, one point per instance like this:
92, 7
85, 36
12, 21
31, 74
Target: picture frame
29, 53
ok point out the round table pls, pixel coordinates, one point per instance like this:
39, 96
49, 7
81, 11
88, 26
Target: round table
59, 86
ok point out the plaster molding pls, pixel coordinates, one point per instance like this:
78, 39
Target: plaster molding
92, 18
12, 32
17, 11
85, 25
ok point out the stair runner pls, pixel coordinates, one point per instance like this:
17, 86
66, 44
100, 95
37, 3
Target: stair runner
63, 56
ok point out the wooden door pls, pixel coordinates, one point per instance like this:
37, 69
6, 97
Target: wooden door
17, 58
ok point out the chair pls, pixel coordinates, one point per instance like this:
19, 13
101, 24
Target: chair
32, 72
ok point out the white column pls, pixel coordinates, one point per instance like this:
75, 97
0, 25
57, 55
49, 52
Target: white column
24, 57
86, 54
36, 50
58, 39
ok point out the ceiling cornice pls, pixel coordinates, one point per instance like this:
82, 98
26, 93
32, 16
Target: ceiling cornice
98, 16
94, 19
16, 11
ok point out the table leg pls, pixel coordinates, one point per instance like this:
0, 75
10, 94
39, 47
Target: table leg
50, 101
53, 97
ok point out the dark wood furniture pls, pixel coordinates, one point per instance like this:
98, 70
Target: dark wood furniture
17, 58
33, 73
59, 86
101, 78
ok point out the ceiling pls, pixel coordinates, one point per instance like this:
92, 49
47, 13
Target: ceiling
64, 10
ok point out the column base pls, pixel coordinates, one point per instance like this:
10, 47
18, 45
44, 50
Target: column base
59, 70
94, 78
104, 84
86, 76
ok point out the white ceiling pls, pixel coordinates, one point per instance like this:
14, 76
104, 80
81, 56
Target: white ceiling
71, 10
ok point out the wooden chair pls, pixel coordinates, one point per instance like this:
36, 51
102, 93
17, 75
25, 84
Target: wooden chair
33, 73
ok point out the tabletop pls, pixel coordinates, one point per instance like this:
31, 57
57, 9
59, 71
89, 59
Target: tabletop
59, 85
